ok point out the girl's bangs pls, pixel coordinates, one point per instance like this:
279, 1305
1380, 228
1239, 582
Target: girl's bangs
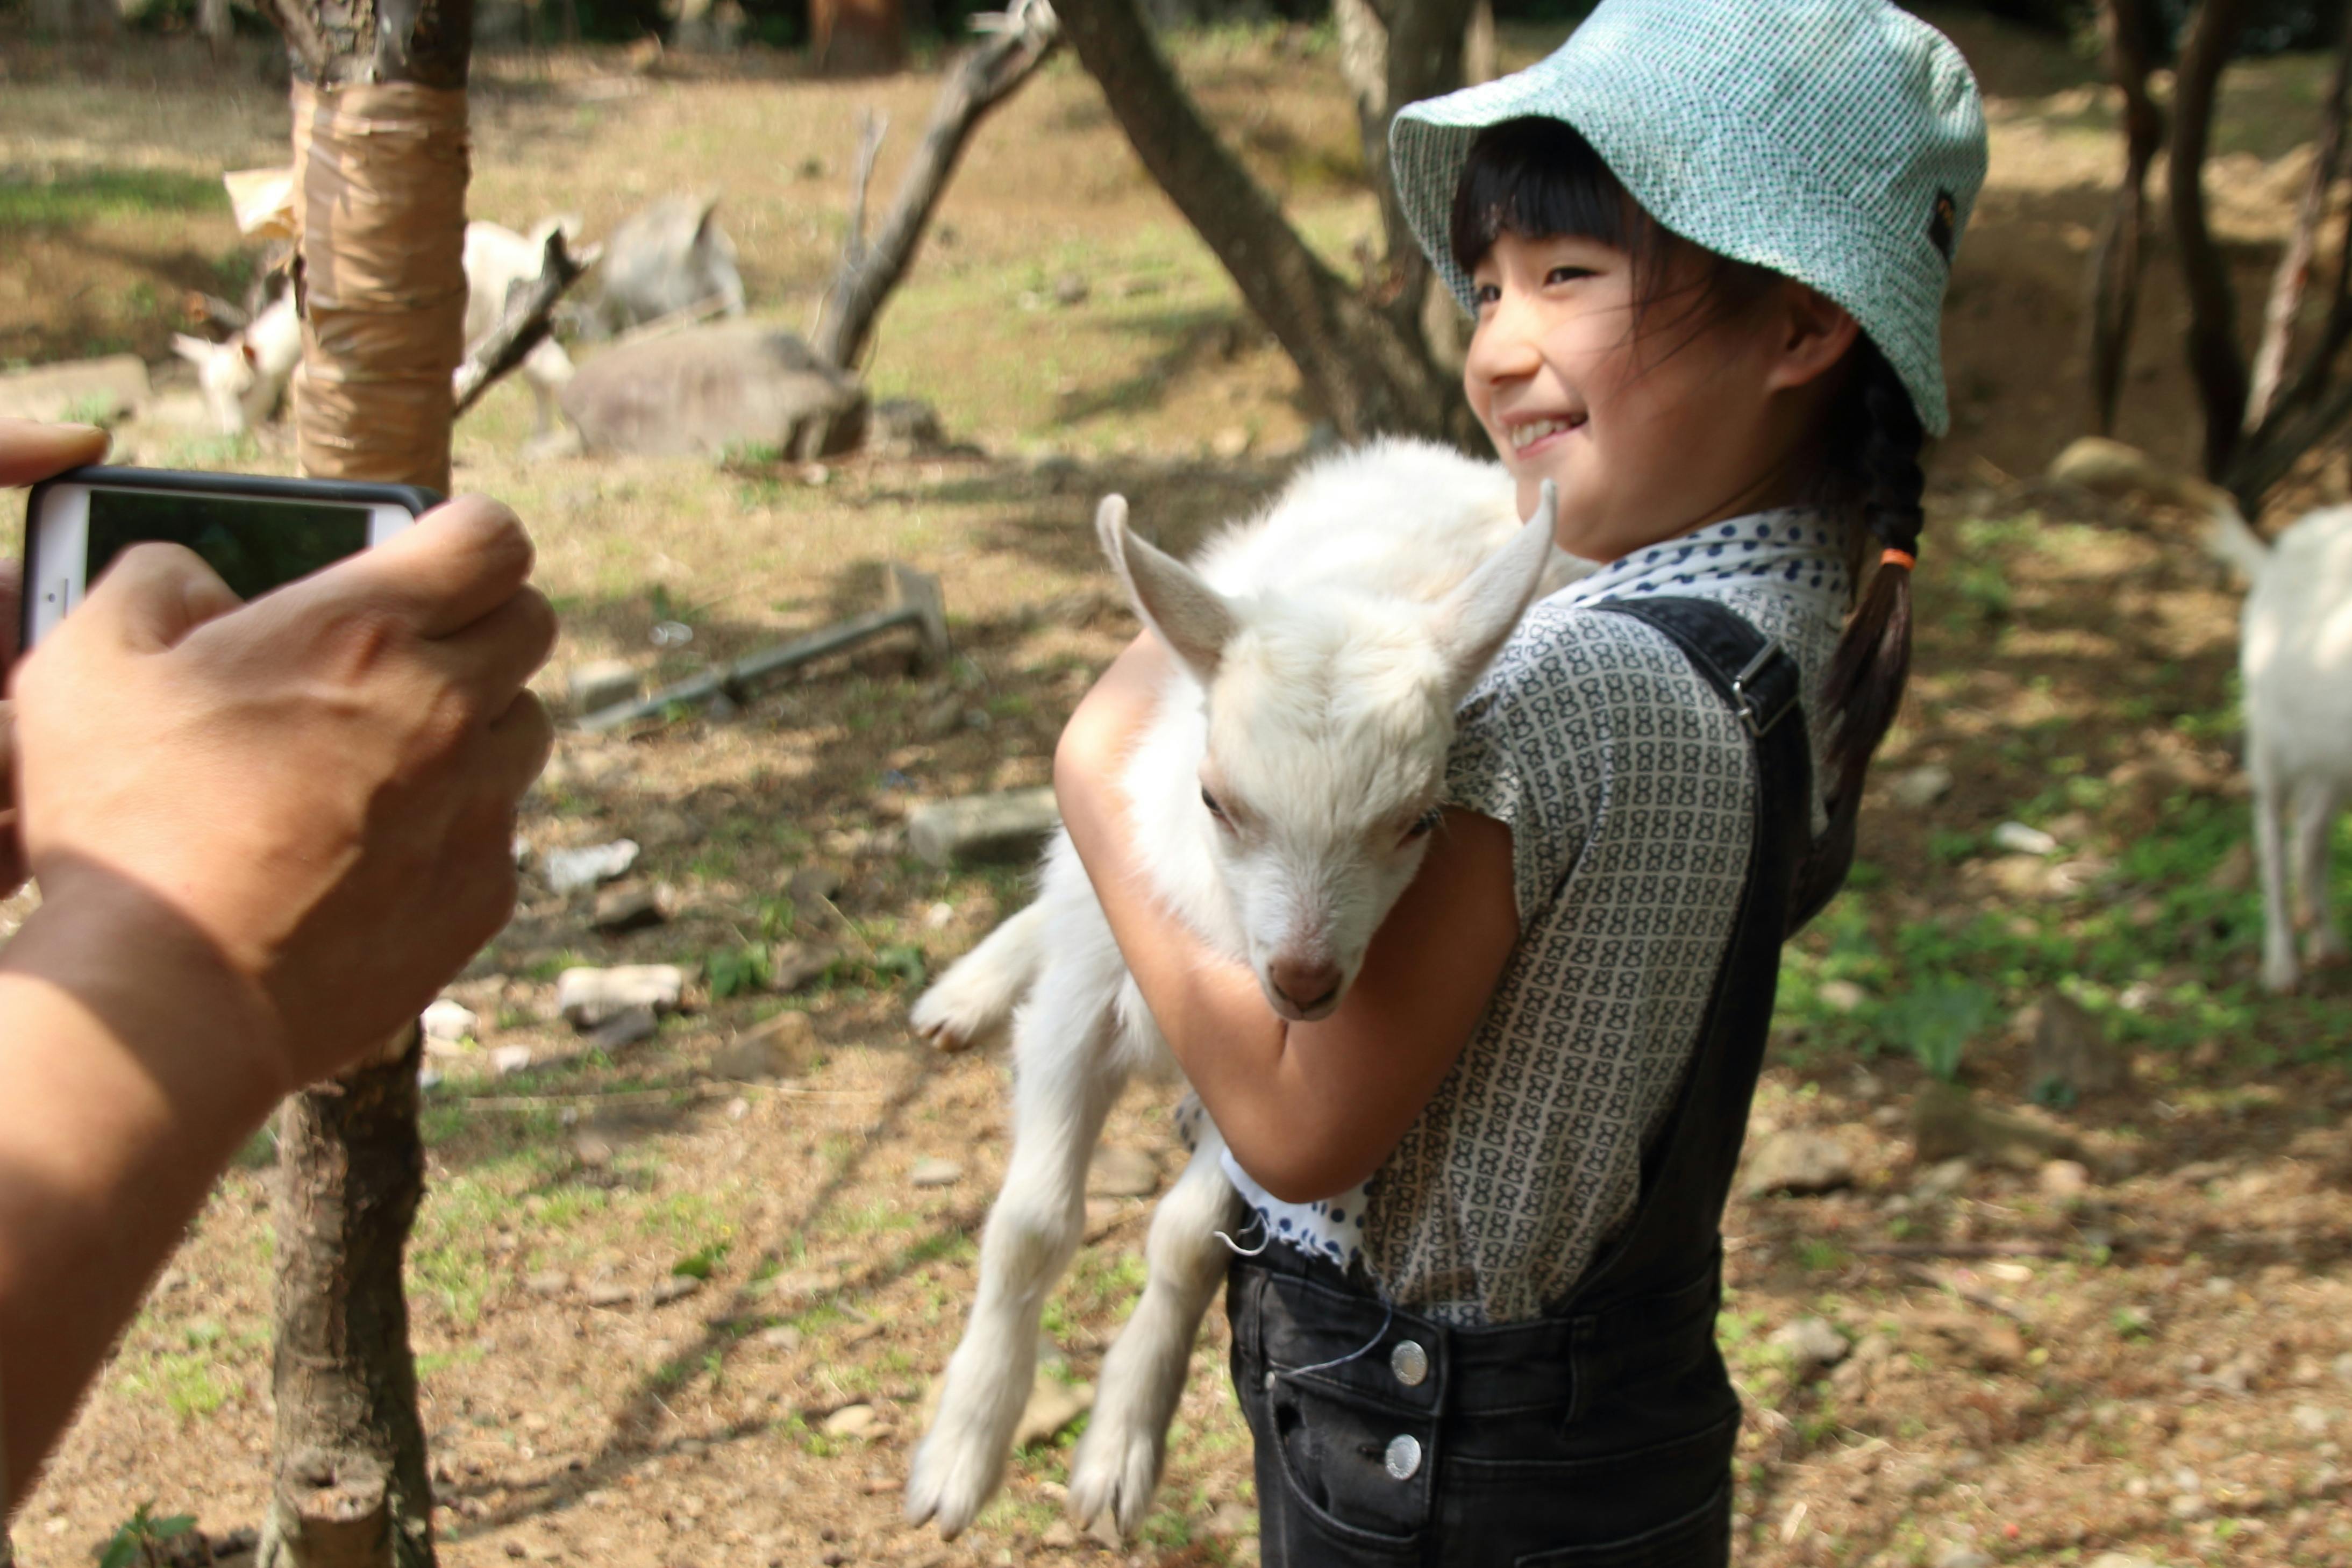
1540, 179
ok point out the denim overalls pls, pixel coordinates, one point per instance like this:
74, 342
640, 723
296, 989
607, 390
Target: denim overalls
1598, 1435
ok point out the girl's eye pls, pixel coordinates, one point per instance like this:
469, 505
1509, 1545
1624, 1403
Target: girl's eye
1425, 824
1481, 294
1216, 808
1569, 274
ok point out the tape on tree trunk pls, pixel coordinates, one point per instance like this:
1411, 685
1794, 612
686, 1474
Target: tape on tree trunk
380, 193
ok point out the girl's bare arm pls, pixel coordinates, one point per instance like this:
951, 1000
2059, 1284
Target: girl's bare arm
1308, 1109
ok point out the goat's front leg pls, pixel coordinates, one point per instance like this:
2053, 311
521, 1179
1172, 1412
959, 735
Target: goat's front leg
1066, 1074
2280, 969
1116, 1467
2314, 814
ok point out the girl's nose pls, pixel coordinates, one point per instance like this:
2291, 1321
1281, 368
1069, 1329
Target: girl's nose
1504, 345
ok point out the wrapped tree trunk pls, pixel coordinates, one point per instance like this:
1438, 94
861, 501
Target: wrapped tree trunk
380, 172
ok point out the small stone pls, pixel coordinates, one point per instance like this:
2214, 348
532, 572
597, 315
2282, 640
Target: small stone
630, 906
2191, 1506
851, 1421
1840, 996
1814, 1344
782, 1337
1053, 1405
550, 1282
610, 1293
793, 965
1059, 1536
1798, 1163
1230, 443
1921, 788
1121, 1171
935, 1173
2065, 1178
509, 1060
568, 870
586, 997
601, 683
778, 1047
592, 1151
2313, 1419
1070, 288
623, 1029
449, 1021
2019, 839
676, 1288
939, 916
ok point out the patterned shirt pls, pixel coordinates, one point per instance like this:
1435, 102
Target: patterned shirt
1627, 786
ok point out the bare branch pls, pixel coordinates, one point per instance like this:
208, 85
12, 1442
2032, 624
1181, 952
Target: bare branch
2213, 357
1020, 39
523, 323
2294, 275
303, 39
2127, 26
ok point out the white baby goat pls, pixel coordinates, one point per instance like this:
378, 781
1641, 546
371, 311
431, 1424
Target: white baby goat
495, 260
2295, 653
1320, 654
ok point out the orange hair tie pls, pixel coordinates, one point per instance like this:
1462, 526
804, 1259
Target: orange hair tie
1902, 558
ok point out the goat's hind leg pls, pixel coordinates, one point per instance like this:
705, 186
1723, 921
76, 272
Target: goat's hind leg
2315, 815
979, 991
2280, 971
1116, 1467
1067, 1076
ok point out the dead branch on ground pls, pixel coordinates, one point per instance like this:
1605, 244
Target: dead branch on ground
523, 324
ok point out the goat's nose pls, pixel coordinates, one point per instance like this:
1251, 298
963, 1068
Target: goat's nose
1306, 983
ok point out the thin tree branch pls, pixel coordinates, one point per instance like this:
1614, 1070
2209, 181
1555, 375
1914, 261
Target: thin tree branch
524, 322
304, 42
2294, 275
984, 76
2127, 26
872, 126
2213, 357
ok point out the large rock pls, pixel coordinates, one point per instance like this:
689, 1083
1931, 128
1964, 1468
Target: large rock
707, 389
1009, 826
92, 390
586, 997
1799, 1162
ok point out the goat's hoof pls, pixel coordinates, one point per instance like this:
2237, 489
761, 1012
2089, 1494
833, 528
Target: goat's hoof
1113, 1476
947, 1488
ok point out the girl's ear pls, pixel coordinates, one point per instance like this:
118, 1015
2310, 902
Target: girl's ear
1813, 335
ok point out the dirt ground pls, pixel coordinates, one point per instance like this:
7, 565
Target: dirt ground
671, 1314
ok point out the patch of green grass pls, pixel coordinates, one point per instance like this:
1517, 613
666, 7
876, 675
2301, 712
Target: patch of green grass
86, 194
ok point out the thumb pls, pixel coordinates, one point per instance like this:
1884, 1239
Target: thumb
154, 594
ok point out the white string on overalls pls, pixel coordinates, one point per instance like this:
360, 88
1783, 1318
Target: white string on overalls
1387, 1320
1238, 1250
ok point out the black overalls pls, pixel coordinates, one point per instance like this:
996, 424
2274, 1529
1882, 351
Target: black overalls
1600, 1435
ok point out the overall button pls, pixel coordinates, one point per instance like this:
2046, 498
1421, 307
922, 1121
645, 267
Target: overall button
1403, 1456
1410, 1363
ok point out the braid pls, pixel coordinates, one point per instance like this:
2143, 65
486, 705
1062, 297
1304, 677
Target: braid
1879, 466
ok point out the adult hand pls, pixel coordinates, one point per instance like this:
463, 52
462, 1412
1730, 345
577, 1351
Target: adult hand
322, 784
29, 453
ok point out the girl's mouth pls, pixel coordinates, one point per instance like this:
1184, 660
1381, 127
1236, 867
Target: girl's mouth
1537, 434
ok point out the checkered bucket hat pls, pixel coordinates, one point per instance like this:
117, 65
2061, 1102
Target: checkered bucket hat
1839, 143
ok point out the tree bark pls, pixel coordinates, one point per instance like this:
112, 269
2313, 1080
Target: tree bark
2294, 275
380, 183
1364, 360
987, 74
2116, 269
2213, 355
857, 37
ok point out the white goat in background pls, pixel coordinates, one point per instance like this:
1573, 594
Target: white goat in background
2295, 653
1320, 654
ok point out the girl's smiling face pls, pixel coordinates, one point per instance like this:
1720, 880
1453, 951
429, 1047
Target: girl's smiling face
1657, 397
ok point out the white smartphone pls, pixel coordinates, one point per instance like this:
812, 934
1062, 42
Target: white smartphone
255, 531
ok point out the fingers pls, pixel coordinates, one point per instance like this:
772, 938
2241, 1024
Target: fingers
154, 596
491, 659
517, 746
31, 452
460, 561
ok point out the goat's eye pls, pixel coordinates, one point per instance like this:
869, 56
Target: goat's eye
1425, 824
1216, 807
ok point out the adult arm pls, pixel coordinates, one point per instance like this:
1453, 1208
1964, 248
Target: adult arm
265, 835
1308, 1108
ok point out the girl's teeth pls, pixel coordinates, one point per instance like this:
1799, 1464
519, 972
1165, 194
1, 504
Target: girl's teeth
1526, 436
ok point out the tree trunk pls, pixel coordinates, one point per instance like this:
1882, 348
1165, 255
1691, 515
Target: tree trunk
2213, 355
857, 37
2293, 278
1362, 360
2117, 269
380, 162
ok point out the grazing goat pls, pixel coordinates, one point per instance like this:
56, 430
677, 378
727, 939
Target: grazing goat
1320, 653
243, 378
2295, 653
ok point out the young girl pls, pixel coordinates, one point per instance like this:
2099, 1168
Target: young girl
1706, 243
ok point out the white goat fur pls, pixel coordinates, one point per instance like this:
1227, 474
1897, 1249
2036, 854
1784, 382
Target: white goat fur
1322, 650
244, 377
2294, 652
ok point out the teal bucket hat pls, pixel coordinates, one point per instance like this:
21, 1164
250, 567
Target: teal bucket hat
1839, 143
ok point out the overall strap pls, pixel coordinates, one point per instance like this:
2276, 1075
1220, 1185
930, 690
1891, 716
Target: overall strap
1687, 1173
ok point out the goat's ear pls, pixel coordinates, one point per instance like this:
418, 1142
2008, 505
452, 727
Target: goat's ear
1189, 615
1479, 615
194, 350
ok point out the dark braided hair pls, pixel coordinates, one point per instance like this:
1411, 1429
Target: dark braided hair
1540, 178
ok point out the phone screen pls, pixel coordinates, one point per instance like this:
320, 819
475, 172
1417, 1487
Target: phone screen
254, 545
